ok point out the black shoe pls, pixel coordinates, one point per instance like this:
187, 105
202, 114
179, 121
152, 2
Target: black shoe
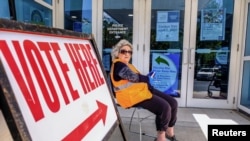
173, 138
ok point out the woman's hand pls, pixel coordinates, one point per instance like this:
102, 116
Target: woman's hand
146, 79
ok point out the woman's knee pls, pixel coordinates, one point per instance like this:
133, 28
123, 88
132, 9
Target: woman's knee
174, 103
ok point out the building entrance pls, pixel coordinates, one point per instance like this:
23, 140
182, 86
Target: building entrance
186, 42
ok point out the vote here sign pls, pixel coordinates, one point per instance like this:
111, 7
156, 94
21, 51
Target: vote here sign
59, 86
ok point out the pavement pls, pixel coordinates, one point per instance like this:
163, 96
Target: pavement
191, 124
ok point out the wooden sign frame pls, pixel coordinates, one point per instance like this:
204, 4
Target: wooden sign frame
26, 124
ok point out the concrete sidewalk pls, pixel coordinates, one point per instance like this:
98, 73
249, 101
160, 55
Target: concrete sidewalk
191, 123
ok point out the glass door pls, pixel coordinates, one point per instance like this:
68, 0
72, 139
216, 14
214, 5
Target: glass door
244, 100
4, 10
186, 42
190, 50
118, 23
168, 47
210, 54
126, 19
36, 12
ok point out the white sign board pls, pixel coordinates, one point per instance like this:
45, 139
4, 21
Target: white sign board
59, 86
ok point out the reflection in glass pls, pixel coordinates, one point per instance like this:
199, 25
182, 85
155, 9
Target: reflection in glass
245, 90
78, 15
48, 1
4, 9
117, 24
166, 45
247, 47
213, 45
31, 12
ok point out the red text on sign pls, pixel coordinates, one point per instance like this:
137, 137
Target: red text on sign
34, 54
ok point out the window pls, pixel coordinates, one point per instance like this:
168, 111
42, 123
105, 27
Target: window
4, 9
78, 15
31, 12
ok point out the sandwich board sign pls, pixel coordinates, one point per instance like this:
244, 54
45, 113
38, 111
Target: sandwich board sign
53, 85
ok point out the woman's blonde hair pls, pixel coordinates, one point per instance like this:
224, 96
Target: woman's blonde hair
118, 46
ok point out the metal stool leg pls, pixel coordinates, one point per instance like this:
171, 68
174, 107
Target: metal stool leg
131, 119
139, 119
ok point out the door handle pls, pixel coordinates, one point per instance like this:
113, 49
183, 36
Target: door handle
192, 56
185, 56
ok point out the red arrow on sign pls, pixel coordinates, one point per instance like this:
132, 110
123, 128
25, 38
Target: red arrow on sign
82, 130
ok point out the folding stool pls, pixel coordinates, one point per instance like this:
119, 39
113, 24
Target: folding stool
140, 119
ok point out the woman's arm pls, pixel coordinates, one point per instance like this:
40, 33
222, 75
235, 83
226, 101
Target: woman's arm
122, 71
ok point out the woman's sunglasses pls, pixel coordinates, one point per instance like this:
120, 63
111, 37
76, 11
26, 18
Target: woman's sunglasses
126, 51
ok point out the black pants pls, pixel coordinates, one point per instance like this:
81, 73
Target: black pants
164, 107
